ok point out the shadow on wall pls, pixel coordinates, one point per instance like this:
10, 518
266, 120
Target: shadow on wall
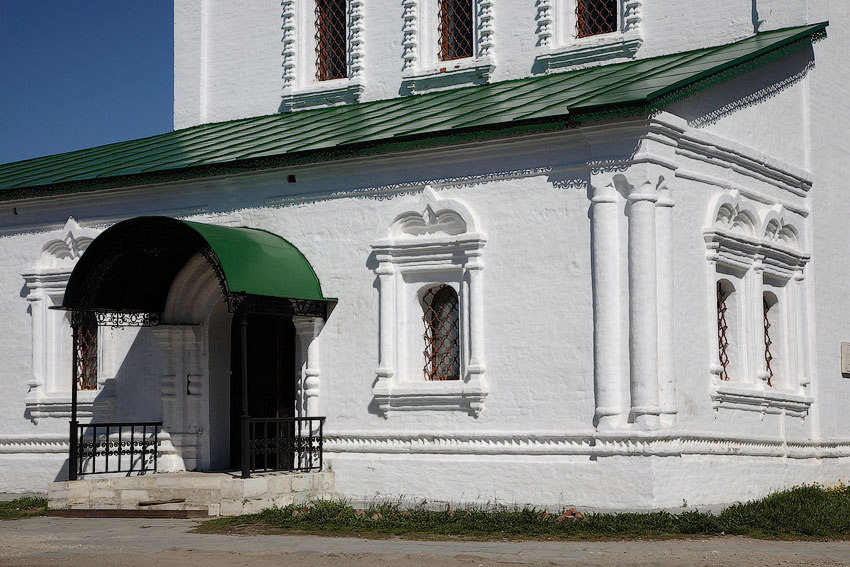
711, 106
130, 392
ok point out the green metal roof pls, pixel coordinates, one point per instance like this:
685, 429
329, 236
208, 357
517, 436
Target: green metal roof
634, 87
131, 266
257, 262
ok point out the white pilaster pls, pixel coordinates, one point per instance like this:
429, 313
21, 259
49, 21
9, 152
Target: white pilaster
307, 329
605, 259
666, 347
387, 317
643, 307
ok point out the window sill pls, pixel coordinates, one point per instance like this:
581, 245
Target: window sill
749, 397
595, 49
59, 406
326, 93
455, 395
449, 75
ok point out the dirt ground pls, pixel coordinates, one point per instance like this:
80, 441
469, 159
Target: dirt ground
59, 542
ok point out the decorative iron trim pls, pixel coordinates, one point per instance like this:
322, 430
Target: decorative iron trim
116, 318
287, 307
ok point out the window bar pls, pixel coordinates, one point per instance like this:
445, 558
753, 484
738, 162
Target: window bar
94, 449
768, 357
331, 52
144, 448
722, 327
106, 452
456, 31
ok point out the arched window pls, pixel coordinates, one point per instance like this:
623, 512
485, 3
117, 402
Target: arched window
442, 334
87, 352
331, 53
771, 328
594, 17
726, 329
456, 29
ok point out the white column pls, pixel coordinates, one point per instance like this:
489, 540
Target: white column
666, 346
605, 260
643, 307
386, 323
307, 329
476, 316
757, 318
799, 332
711, 285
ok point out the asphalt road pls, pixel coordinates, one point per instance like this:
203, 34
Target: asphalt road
133, 542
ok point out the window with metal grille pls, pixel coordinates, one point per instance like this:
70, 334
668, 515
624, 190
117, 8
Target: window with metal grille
331, 52
87, 353
722, 329
442, 334
456, 29
594, 17
769, 304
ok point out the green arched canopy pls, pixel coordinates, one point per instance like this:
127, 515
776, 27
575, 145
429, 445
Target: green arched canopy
131, 266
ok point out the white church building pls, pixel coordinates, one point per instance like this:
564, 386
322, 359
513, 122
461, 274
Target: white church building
546, 252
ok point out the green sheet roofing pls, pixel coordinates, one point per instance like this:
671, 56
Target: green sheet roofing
131, 265
280, 139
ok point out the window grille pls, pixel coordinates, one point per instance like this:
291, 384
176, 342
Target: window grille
594, 17
456, 29
768, 356
722, 329
442, 334
331, 53
87, 353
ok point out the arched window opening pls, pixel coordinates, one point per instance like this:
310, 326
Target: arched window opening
595, 17
87, 352
456, 29
442, 334
769, 304
331, 53
724, 316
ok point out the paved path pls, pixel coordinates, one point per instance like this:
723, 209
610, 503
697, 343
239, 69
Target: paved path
130, 542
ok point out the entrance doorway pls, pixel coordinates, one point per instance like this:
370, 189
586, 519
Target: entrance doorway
271, 373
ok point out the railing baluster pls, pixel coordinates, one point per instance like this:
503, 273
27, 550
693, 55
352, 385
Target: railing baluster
120, 447
144, 448
132, 446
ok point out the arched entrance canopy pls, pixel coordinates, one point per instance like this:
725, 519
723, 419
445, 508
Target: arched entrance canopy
129, 268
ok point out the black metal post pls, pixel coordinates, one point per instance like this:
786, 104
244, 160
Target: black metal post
246, 464
72, 439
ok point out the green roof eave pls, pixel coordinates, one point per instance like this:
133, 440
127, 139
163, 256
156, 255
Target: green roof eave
257, 262
132, 265
476, 113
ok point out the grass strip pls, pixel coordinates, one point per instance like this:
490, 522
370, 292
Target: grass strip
803, 512
26, 507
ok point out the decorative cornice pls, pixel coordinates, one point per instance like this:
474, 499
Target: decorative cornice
603, 50
466, 73
544, 23
423, 396
11, 444
579, 444
355, 40
485, 29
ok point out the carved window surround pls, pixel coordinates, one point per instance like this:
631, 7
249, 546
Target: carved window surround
300, 87
759, 249
50, 384
437, 244
562, 50
422, 71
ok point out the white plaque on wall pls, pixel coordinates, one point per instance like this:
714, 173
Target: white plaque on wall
845, 359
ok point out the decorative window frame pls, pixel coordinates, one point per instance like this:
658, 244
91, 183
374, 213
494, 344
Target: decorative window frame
49, 393
758, 252
422, 70
301, 89
439, 244
563, 50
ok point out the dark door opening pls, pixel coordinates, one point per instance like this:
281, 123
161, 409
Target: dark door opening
271, 373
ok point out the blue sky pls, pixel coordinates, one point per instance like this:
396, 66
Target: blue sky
77, 74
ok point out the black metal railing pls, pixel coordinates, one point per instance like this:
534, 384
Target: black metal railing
285, 443
101, 448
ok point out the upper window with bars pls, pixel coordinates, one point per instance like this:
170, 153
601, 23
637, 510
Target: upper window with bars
331, 47
456, 29
442, 333
596, 17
